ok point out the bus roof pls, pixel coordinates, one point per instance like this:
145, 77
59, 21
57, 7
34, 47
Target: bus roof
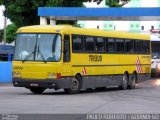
68, 29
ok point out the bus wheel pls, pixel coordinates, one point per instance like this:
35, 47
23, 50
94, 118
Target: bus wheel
133, 81
75, 86
124, 82
37, 90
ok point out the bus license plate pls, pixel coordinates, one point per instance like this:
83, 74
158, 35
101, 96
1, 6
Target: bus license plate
34, 84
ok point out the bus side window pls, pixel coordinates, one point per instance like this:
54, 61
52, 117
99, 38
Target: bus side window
129, 46
66, 57
120, 45
138, 46
89, 44
111, 45
100, 46
146, 47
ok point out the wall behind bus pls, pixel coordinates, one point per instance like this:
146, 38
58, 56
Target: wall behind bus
5, 72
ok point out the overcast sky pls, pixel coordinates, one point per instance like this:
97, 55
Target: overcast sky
2, 18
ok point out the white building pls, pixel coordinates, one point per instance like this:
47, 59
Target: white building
132, 26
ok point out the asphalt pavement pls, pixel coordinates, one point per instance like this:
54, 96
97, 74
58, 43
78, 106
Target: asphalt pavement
144, 99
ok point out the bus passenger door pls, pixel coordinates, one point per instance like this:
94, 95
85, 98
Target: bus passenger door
66, 56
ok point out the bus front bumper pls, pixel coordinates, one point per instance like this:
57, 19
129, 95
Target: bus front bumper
45, 83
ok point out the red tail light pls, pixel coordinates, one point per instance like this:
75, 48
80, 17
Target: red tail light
58, 75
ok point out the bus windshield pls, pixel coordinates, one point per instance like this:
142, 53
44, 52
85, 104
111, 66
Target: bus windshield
38, 47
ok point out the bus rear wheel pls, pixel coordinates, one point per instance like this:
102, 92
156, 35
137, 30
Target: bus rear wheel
37, 90
75, 86
124, 82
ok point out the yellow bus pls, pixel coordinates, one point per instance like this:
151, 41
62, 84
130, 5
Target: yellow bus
72, 58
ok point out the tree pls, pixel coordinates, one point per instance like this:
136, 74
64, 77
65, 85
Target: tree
112, 3
116, 3
11, 32
1, 35
24, 12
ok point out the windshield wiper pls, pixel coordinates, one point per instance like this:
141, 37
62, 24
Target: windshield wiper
28, 56
41, 55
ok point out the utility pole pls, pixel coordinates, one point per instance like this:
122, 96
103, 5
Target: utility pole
5, 25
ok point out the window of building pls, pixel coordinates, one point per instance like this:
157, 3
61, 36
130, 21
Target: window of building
137, 26
132, 25
142, 27
110, 25
152, 27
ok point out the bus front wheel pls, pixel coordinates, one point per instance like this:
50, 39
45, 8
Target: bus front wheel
37, 90
124, 82
75, 86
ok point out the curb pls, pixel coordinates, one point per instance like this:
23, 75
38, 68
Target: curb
6, 84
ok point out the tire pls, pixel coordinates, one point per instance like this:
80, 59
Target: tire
124, 82
37, 90
75, 86
132, 84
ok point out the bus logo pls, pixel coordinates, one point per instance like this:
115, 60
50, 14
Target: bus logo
138, 65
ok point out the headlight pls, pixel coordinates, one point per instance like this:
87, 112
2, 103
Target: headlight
51, 76
16, 74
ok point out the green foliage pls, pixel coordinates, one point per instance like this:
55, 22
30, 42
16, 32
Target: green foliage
116, 3
1, 35
112, 3
11, 32
24, 12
